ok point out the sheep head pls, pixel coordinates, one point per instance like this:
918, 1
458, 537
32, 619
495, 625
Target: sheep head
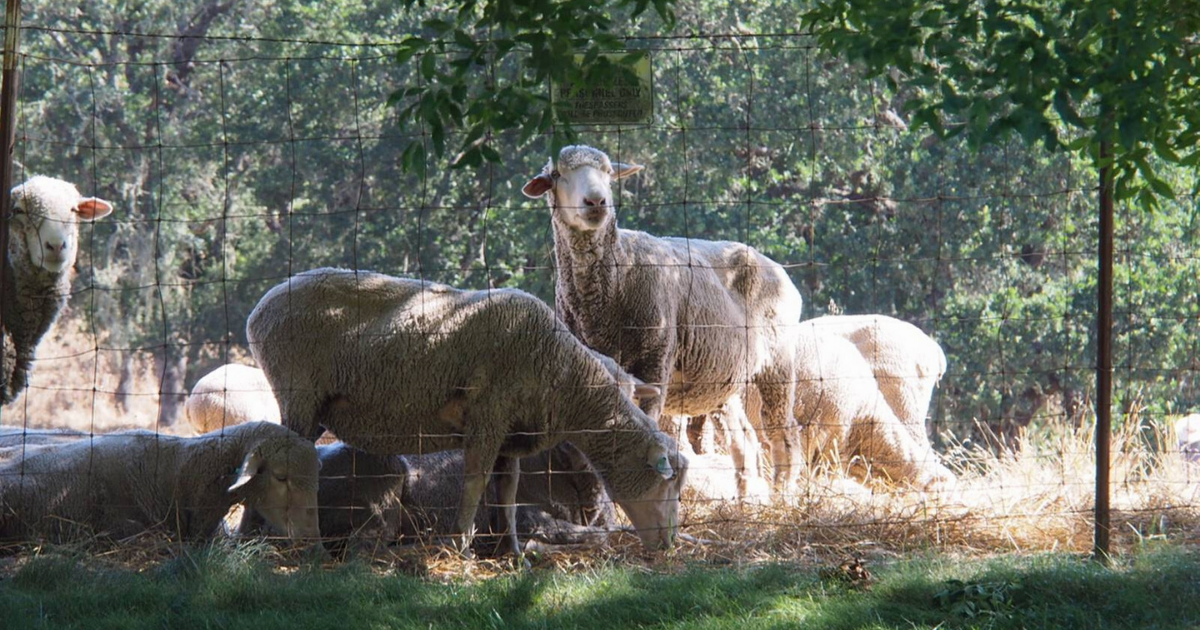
278, 478
45, 222
580, 186
646, 484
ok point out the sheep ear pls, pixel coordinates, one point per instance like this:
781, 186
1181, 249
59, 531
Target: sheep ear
92, 208
251, 466
538, 186
625, 170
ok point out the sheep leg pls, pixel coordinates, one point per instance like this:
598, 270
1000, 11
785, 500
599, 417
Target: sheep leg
742, 447
477, 468
676, 427
508, 475
779, 427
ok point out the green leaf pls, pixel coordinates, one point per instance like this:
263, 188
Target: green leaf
427, 66
489, 153
438, 134
463, 39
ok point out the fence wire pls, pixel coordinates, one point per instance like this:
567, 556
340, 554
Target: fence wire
237, 163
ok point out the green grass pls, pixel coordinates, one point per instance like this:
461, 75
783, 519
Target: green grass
221, 588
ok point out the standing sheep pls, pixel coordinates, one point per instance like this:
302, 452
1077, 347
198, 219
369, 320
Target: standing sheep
396, 365
230, 395
42, 245
906, 362
845, 419
120, 484
704, 318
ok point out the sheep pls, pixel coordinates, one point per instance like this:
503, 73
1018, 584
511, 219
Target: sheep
229, 395
121, 484
561, 499
703, 318
398, 365
12, 437
845, 419
42, 245
906, 362
1187, 436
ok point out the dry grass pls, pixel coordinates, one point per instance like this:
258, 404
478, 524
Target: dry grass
1037, 497
75, 383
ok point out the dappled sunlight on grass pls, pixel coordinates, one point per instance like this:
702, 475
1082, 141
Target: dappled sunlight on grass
223, 586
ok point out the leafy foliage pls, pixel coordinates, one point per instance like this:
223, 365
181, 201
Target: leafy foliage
487, 67
268, 148
1068, 74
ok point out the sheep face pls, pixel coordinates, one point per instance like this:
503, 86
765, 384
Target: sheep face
278, 479
580, 187
647, 487
45, 223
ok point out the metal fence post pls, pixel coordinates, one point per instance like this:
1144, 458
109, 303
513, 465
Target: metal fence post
1104, 360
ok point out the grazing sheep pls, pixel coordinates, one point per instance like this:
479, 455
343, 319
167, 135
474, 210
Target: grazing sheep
396, 365
1187, 435
906, 362
42, 245
229, 395
560, 500
704, 318
845, 420
120, 484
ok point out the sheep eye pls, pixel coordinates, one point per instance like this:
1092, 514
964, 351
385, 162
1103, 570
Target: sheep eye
281, 478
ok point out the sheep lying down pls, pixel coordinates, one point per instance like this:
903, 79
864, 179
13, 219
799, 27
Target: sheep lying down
121, 484
407, 498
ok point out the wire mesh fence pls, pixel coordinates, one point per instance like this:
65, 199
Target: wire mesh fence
237, 163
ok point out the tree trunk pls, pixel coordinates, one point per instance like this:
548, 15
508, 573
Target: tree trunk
171, 364
125, 377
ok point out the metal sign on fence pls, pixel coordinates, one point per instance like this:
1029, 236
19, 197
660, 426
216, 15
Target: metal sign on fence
626, 100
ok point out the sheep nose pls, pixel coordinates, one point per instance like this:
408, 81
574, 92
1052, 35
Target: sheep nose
594, 203
55, 246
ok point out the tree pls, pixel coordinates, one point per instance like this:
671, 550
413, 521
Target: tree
1113, 80
1077, 75
487, 68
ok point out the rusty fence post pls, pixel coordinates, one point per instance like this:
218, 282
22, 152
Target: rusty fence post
1104, 359
8, 117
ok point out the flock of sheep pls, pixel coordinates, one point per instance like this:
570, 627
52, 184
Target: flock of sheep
460, 411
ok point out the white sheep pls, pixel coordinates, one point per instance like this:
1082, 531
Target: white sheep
42, 246
397, 365
11, 437
1187, 436
120, 484
907, 363
561, 500
704, 318
230, 395
845, 420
